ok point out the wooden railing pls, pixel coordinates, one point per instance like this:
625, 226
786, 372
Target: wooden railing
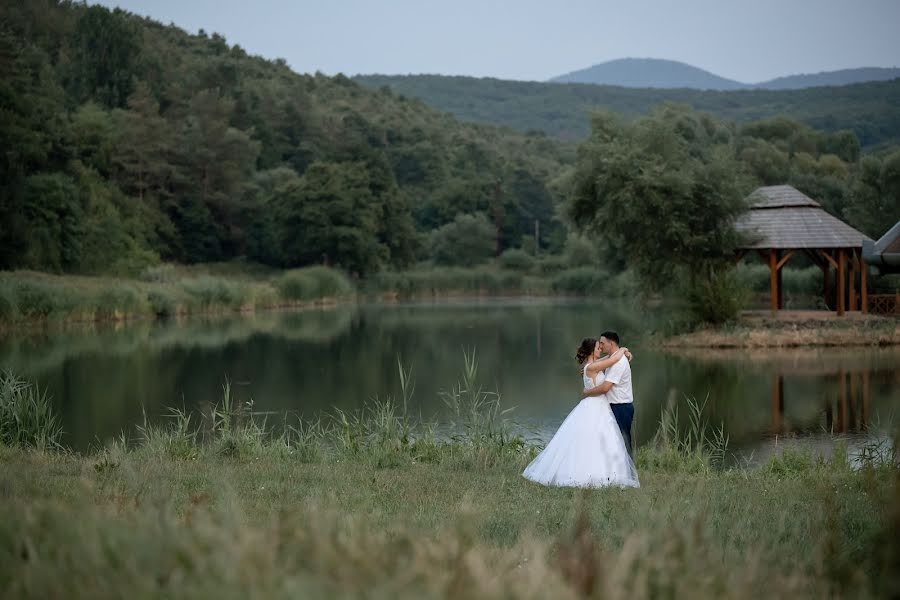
884, 304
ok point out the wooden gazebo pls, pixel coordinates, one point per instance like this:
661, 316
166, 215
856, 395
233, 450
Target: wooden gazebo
783, 221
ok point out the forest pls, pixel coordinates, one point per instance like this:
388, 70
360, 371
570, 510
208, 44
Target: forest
870, 110
130, 143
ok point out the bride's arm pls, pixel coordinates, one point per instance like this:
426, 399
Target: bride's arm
604, 363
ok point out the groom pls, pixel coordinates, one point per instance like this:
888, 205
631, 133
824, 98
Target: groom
617, 387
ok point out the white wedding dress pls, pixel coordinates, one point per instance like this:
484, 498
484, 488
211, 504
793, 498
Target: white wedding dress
587, 450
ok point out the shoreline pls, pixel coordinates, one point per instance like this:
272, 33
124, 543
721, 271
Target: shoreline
35, 302
793, 329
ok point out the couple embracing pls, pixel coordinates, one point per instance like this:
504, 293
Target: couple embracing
592, 446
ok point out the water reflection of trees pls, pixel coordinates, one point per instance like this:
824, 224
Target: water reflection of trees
806, 390
309, 362
103, 381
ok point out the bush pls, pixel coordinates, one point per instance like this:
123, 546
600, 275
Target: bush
580, 280
313, 283
162, 303
516, 259
159, 274
623, 285
716, 300
117, 299
297, 285
35, 299
755, 278
467, 241
331, 283
7, 306
551, 264
211, 291
802, 281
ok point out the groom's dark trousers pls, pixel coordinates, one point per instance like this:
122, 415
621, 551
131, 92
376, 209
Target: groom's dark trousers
624, 413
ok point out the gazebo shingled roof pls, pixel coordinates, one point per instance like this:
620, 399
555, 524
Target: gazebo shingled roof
783, 220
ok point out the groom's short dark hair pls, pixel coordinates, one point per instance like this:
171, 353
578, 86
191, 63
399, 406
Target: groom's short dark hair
611, 336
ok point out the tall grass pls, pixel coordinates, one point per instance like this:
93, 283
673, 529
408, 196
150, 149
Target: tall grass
696, 447
436, 281
185, 514
26, 415
161, 291
314, 283
477, 417
279, 528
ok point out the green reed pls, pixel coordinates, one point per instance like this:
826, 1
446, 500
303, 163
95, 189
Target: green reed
26, 415
697, 447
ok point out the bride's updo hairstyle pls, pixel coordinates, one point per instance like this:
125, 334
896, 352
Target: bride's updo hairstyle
585, 350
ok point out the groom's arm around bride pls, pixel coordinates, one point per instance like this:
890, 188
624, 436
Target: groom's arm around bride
617, 387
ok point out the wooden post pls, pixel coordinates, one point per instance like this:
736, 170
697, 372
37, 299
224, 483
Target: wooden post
852, 279
778, 266
841, 283
773, 280
826, 292
777, 402
863, 291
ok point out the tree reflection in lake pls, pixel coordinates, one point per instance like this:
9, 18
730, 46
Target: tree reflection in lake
312, 361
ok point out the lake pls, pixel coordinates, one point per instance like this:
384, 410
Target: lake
103, 379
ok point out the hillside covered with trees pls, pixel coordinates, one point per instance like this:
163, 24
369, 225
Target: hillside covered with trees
870, 110
131, 143
128, 142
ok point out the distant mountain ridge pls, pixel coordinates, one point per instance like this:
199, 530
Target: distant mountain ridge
871, 110
670, 74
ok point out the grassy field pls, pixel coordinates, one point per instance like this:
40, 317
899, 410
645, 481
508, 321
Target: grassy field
373, 505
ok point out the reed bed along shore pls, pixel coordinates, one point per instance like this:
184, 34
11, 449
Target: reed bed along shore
28, 298
378, 504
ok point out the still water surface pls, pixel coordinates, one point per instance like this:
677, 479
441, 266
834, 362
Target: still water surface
308, 362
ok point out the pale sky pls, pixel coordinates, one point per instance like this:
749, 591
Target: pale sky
747, 40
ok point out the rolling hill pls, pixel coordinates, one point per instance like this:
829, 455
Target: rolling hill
649, 73
871, 110
669, 74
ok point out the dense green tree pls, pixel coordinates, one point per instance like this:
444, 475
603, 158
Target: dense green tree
661, 193
770, 165
92, 137
874, 205
53, 212
216, 162
330, 216
125, 140
466, 241
104, 57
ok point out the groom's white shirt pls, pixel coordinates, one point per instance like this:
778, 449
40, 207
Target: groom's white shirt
620, 376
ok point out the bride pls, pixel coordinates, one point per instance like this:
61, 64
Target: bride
588, 449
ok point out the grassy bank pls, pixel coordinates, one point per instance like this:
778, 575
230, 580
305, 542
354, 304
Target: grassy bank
793, 329
374, 504
514, 273
28, 297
